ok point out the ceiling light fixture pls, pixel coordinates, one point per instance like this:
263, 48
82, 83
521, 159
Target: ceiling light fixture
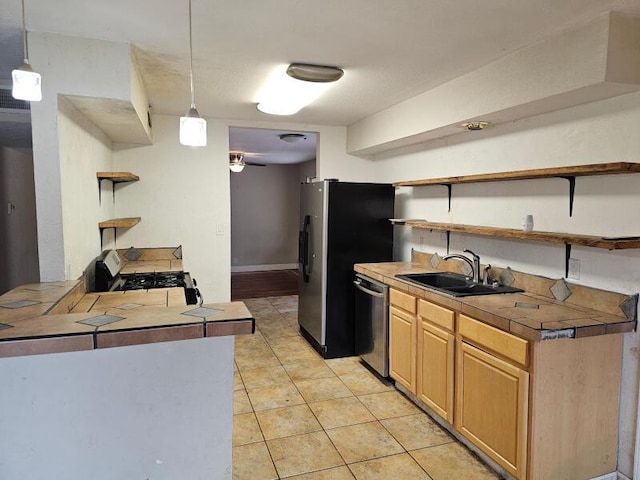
314, 73
474, 126
193, 128
292, 87
292, 137
27, 84
236, 162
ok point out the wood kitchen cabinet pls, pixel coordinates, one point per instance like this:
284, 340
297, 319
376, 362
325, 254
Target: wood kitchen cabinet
492, 393
402, 339
436, 347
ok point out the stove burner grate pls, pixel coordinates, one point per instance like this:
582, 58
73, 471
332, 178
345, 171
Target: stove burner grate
143, 281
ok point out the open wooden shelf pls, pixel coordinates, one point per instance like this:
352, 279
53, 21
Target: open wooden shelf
116, 223
114, 177
556, 172
117, 177
567, 173
119, 222
609, 243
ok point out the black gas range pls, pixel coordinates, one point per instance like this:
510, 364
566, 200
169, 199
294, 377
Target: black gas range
103, 275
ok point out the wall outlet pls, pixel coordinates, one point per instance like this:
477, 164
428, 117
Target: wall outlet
574, 269
219, 228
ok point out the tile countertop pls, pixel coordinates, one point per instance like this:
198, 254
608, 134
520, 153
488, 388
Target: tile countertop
110, 319
527, 315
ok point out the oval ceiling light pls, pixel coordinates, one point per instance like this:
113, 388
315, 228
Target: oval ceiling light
292, 137
314, 73
286, 94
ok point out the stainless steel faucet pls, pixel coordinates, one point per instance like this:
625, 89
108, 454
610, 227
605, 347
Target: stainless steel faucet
474, 264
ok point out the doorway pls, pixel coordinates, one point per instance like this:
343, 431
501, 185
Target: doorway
265, 208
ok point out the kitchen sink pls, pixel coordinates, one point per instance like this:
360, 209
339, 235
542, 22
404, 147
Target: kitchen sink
455, 284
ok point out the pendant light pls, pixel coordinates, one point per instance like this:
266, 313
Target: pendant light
193, 128
26, 82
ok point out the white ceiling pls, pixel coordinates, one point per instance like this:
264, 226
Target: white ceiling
391, 50
262, 145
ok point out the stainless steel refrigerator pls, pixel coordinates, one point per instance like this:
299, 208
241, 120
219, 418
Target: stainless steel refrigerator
341, 223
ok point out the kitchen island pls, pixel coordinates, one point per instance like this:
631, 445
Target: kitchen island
530, 381
128, 387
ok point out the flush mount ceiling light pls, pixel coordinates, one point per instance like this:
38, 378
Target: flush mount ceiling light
292, 137
292, 87
193, 128
236, 162
475, 125
26, 83
314, 73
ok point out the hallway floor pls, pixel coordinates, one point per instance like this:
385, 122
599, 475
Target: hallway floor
301, 417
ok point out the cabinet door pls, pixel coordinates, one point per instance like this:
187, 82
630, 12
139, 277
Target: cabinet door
492, 407
402, 348
435, 369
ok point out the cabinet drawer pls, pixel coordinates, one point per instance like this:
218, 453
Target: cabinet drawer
403, 300
443, 317
502, 343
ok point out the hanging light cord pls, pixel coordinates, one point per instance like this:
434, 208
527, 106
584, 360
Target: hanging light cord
193, 94
25, 47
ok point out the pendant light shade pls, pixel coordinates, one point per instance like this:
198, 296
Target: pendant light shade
193, 128
26, 82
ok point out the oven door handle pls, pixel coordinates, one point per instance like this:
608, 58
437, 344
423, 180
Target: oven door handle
367, 291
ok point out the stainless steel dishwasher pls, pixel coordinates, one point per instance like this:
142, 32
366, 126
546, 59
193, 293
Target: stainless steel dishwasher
372, 323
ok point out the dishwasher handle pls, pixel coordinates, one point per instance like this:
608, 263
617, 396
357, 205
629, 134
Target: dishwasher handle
359, 286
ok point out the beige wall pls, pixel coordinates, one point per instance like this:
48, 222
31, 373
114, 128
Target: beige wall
265, 210
598, 132
18, 231
84, 150
183, 199
76, 66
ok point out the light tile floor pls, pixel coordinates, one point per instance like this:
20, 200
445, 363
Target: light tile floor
300, 417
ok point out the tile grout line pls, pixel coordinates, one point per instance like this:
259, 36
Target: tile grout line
324, 430
270, 341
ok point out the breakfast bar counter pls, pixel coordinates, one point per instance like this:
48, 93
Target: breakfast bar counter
31, 323
159, 406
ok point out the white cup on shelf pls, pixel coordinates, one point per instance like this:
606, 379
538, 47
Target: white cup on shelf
527, 223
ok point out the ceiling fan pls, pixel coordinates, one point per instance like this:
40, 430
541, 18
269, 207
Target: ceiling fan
237, 161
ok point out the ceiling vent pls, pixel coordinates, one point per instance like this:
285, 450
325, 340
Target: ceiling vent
7, 102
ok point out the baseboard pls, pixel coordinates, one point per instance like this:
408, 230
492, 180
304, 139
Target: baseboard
264, 268
612, 476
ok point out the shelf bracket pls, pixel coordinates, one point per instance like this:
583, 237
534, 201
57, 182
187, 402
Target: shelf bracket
448, 185
102, 229
567, 256
572, 191
113, 190
100, 191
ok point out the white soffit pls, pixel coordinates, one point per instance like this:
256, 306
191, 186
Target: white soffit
597, 61
117, 119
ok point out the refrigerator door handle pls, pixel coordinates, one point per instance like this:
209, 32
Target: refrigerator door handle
367, 291
303, 248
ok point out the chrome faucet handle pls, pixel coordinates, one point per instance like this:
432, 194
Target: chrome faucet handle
485, 275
